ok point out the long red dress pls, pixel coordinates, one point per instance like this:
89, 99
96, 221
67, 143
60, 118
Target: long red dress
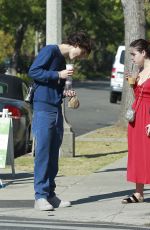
138, 168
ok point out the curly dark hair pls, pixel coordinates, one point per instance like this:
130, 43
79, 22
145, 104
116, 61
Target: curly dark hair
80, 39
140, 45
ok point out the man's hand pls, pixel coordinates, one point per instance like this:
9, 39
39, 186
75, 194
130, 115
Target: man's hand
65, 73
69, 93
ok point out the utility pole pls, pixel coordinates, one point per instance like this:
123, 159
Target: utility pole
54, 36
53, 21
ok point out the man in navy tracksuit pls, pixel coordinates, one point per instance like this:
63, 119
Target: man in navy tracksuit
49, 74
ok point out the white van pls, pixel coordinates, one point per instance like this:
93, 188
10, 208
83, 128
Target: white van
117, 75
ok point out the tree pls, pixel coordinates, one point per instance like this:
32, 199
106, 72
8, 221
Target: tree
103, 20
134, 20
16, 17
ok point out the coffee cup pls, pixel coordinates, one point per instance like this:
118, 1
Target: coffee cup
131, 80
69, 66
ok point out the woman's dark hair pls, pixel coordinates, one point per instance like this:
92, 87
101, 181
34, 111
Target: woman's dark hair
140, 45
80, 39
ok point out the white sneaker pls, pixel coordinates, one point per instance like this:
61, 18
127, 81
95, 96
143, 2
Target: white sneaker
57, 203
43, 205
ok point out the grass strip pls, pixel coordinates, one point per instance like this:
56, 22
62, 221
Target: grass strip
90, 155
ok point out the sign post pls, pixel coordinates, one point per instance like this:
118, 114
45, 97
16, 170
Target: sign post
6, 141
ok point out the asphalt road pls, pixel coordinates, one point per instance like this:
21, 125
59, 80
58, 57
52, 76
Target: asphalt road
95, 110
10, 223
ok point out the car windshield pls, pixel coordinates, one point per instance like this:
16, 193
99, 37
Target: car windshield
122, 57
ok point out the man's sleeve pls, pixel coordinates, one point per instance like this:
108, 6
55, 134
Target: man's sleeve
38, 70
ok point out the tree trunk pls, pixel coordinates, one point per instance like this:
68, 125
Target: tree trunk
20, 31
134, 20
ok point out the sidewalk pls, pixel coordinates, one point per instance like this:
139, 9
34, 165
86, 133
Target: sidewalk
95, 198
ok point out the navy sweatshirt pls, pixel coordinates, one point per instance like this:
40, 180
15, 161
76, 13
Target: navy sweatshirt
44, 71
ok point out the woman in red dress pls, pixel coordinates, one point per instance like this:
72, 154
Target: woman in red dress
138, 167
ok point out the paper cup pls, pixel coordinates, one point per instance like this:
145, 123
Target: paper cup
131, 80
69, 66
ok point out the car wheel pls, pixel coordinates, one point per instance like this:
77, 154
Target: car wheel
119, 97
113, 97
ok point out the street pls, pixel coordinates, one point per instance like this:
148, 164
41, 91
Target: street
25, 223
95, 110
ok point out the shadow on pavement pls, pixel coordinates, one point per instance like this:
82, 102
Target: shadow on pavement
19, 178
107, 196
8, 176
17, 203
100, 154
112, 170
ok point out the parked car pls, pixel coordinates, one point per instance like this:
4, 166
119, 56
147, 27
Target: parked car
13, 91
117, 75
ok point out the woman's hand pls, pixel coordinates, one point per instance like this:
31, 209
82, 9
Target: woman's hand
69, 93
148, 130
126, 74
